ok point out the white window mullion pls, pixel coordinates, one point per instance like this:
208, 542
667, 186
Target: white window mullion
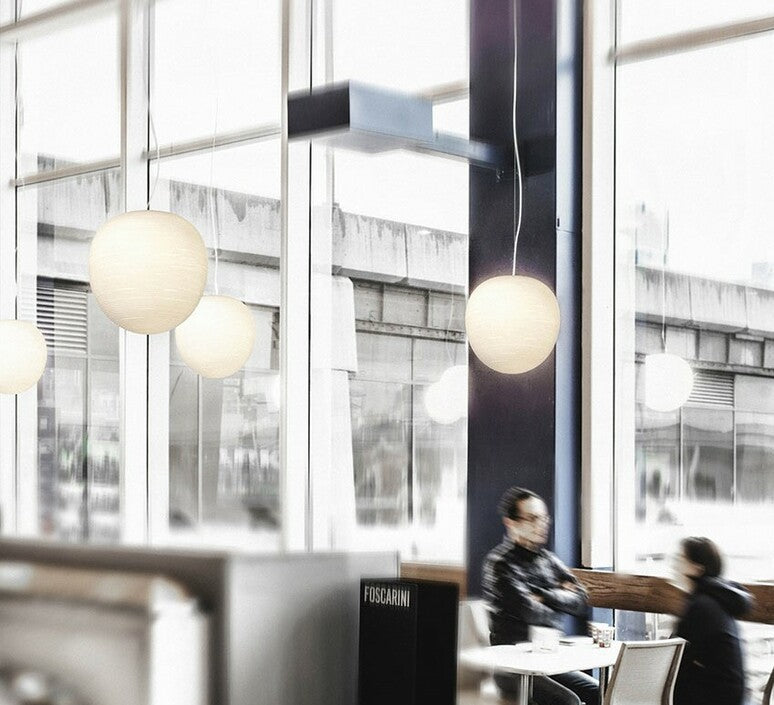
294, 278
158, 437
324, 503
158, 370
27, 470
134, 347
7, 273
597, 405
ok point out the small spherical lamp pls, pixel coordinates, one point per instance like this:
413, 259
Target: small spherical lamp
446, 400
512, 323
22, 356
437, 406
454, 381
668, 381
217, 338
148, 270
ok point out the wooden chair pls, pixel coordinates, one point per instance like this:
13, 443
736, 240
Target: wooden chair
645, 673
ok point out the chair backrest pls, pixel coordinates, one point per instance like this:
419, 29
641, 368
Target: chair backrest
767, 691
472, 633
645, 673
473, 624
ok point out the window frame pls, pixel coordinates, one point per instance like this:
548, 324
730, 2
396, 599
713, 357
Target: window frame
606, 526
144, 360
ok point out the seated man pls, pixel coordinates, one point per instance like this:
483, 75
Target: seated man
524, 585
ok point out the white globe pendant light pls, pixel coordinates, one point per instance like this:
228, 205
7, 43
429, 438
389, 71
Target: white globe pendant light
512, 323
454, 381
217, 338
668, 381
22, 356
437, 405
148, 270
446, 400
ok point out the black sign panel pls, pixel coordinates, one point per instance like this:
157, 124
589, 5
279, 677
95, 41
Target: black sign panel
408, 642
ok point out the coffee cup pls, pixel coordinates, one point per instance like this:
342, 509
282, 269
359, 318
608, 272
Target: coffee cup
544, 639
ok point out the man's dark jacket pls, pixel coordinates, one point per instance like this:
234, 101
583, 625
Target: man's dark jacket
512, 577
712, 672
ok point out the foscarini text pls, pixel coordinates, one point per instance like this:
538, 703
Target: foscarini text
394, 597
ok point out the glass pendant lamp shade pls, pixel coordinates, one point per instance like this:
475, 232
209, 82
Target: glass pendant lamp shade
22, 356
512, 323
446, 400
454, 381
148, 270
437, 408
668, 381
217, 338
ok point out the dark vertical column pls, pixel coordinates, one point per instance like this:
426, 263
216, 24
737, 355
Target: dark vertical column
569, 138
514, 431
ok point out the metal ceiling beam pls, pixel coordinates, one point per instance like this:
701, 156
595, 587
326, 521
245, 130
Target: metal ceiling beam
369, 119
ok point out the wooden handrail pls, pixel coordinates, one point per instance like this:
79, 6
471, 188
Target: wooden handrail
620, 591
646, 593
430, 571
638, 593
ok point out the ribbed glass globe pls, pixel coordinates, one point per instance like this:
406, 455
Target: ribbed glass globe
217, 338
512, 323
446, 400
23, 355
148, 270
668, 381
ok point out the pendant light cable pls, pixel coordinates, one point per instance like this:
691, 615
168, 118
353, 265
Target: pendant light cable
214, 202
213, 197
158, 151
664, 233
152, 126
517, 184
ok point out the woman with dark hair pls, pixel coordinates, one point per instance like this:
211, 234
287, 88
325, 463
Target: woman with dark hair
711, 671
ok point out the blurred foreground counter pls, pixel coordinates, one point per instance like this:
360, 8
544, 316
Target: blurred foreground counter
139, 626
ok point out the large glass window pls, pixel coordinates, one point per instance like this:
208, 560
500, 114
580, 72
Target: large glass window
389, 255
216, 67
216, 71
224, 434
652, 19
68, 102
755, 457
71, 431
65, 118
694, 275
400, 44
374, 282
223, 449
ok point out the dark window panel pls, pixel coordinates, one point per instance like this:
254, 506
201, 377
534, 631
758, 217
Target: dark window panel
708, 454
745, 352
405, 306
682, 342
446, 311
368, 301
768, 354
713, 347
648, 339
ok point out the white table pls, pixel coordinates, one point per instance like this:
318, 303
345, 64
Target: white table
521, 660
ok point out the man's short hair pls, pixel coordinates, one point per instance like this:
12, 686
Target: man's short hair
509, 502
